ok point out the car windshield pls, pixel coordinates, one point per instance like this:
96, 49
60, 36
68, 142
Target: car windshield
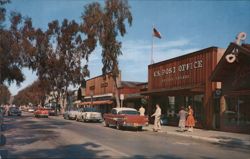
90, 110
129, 112
13, 108
50, 106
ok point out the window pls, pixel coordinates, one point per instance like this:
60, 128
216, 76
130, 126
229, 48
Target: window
129, 112
113, 111
237, 110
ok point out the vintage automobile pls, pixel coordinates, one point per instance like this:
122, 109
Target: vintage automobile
14, 111
125, 117
41, 112
88, 114
70, 114
51, 107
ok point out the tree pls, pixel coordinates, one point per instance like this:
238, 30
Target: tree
34, 93
4, 94
57, 57
104, 25
13, 45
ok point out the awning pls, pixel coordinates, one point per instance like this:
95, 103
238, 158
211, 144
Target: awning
101, 102
199, 88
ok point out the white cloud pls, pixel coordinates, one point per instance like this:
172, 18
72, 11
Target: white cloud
137, 56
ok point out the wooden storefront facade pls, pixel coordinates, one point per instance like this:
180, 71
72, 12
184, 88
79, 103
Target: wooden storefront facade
184, 81
100, 93
234, 102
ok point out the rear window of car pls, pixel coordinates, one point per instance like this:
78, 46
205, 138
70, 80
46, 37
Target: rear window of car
90, 110
128, 112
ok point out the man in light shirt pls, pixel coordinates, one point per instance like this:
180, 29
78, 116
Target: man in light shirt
157, 115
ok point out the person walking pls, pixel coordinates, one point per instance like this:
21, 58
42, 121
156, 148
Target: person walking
157, 115
182, 120
190, 123
142, 111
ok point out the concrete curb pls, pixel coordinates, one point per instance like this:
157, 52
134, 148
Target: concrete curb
203, 138
213, 140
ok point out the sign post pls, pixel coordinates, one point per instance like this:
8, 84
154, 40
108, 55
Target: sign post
122, 98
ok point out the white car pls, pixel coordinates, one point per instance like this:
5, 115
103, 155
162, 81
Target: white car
31, 110
70, 114
89, 114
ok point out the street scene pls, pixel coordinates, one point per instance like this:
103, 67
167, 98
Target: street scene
55, 137
124, 79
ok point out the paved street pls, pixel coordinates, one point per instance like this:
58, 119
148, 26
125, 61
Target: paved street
29, 137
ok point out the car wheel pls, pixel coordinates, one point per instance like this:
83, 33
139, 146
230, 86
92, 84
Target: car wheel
139, 128
105, 124
118, 126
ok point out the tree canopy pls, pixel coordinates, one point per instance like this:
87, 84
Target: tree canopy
60, 54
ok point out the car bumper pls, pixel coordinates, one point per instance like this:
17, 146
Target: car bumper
134, 125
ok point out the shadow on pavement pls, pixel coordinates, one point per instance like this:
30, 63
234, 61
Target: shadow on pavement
3, 154
230, 142
87, 150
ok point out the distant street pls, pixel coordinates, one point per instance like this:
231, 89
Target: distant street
29, 137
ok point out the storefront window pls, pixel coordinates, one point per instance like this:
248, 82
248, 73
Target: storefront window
171, 105
237, 110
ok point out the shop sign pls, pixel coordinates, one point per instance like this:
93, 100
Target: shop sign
180, 68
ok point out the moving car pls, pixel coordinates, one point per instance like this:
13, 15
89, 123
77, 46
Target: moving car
41, 112
14, 111
51, 107
125, 117
88, 114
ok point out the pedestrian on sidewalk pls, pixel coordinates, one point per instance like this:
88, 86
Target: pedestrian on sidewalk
190, 123
142, 111
157, 115
182, 121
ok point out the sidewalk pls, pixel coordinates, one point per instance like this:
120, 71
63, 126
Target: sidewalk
219, 137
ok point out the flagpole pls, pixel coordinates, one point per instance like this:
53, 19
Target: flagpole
152, 49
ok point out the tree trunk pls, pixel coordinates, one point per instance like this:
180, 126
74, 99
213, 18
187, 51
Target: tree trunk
117, 94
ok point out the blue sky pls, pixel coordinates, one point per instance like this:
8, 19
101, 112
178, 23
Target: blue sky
186, 26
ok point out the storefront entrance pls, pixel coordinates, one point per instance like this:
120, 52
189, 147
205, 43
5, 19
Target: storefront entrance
171, 105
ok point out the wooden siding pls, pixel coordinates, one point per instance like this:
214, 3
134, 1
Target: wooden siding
189, 70
100, 85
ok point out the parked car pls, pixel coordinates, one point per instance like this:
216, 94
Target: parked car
2, 112
164, 119
31, 110
89, 114
14, 111
70, 114
41, 112
125, 117
51, 107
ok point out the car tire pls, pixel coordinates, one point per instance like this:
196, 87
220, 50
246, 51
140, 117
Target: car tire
139, 128
118, 126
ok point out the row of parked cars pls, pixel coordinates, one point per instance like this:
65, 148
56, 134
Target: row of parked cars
83, 114
118, 117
